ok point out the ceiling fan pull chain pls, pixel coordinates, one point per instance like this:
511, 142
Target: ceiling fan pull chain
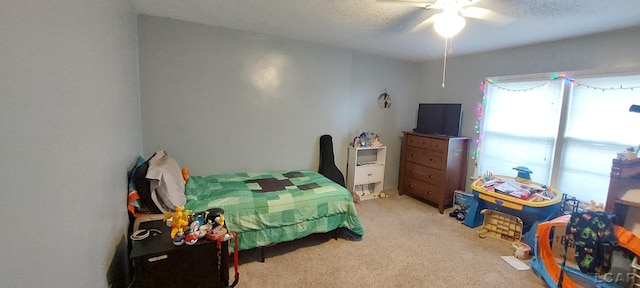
444, 66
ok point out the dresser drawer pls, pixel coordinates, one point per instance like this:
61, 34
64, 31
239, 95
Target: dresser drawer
425, 157
417, 141
439, 145
422, 189
427, 174
434, 144
368, 174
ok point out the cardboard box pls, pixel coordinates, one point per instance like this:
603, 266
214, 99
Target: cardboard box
557, 246
463, 200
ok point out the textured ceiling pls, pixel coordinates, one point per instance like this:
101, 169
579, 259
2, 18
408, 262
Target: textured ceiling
384, 28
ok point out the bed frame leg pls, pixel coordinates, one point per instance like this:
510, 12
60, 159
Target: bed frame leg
262, 254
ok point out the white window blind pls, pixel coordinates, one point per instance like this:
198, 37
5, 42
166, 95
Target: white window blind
520, 128
567, 132
599, 125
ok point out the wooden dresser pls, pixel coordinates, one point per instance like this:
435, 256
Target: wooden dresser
625, 178
432, 167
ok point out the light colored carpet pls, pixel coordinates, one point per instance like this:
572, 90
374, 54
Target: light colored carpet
407, 243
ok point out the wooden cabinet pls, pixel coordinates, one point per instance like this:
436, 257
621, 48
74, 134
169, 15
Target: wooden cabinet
624, 184
365, 172
433, 166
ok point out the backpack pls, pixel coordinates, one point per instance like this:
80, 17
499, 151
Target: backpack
594, 240
143, 186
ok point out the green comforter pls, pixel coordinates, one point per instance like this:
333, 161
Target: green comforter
274, 207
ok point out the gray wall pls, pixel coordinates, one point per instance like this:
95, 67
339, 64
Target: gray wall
371, 75
606, 52
220, 100
70, 129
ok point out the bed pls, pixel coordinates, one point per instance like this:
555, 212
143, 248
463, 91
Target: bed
274, 207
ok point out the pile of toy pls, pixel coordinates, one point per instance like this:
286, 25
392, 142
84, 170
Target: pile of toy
586, 237
187, 227
367, 139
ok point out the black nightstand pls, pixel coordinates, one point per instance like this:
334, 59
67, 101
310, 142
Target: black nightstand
159, 263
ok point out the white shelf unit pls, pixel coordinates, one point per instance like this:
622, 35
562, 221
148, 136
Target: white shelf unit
365, 172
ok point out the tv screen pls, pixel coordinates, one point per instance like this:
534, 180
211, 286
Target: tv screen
439, 118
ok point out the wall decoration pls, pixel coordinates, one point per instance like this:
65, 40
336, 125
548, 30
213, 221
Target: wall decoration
384, 100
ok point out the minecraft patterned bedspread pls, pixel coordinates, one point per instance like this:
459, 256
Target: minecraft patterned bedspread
273, 207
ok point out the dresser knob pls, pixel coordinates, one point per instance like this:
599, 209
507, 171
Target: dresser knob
432, 160
410, 185
411, 170
429, 192
413, 155
430, 176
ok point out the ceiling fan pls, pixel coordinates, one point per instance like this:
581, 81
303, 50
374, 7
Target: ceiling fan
451, 19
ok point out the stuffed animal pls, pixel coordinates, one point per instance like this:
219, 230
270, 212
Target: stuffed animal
376, 142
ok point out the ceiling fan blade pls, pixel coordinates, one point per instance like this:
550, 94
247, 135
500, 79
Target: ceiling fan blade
468, 2
420, 4
485, 14
424, 25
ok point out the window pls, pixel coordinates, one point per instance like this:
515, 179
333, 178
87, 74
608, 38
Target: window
566, 130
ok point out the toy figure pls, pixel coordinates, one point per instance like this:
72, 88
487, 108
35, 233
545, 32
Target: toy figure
594, 207
185, 174
203, 230
218, 231
219, 220
364, 140
523, 174
356, 197
191, 238
179, 220
376, 142
178, 238
193, 235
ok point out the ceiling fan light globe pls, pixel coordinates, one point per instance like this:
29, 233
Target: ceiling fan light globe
448, 23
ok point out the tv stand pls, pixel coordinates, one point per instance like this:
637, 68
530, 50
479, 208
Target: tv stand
433, 166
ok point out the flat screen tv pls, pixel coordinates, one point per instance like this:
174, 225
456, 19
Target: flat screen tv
439, 118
